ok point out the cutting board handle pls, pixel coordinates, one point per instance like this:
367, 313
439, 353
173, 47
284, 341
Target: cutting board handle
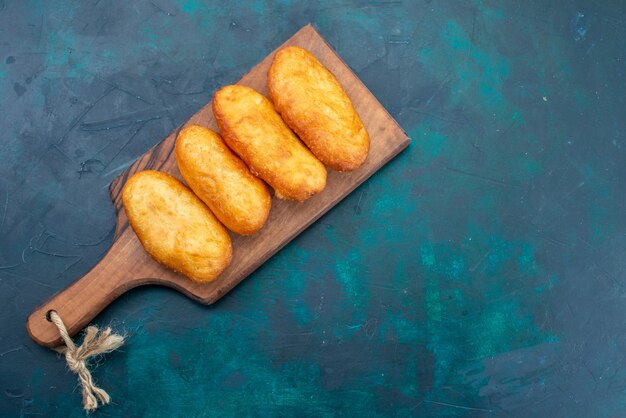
79, 303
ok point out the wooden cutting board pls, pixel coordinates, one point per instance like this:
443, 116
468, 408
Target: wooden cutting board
126, 265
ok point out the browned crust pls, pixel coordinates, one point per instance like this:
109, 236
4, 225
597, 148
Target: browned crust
284, 181
203, 266
312, 103
220, 179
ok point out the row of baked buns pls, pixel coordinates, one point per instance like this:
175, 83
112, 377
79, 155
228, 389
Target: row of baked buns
184, 229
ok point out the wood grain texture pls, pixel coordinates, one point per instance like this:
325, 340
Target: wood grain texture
126, 265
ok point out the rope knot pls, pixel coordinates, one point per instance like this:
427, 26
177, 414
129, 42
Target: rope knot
95, 342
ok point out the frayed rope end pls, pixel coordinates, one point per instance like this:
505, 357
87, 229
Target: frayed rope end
95, 342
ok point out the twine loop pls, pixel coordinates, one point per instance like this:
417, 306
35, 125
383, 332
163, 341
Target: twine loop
95, 342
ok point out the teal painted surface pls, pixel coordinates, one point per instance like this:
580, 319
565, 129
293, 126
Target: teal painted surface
480, 273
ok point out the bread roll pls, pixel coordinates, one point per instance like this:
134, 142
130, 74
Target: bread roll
175, 227
221, 180
252, 128
313, 103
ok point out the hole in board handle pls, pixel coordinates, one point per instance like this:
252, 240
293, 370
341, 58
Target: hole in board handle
48, 315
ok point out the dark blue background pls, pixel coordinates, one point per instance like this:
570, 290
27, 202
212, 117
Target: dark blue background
480, 273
